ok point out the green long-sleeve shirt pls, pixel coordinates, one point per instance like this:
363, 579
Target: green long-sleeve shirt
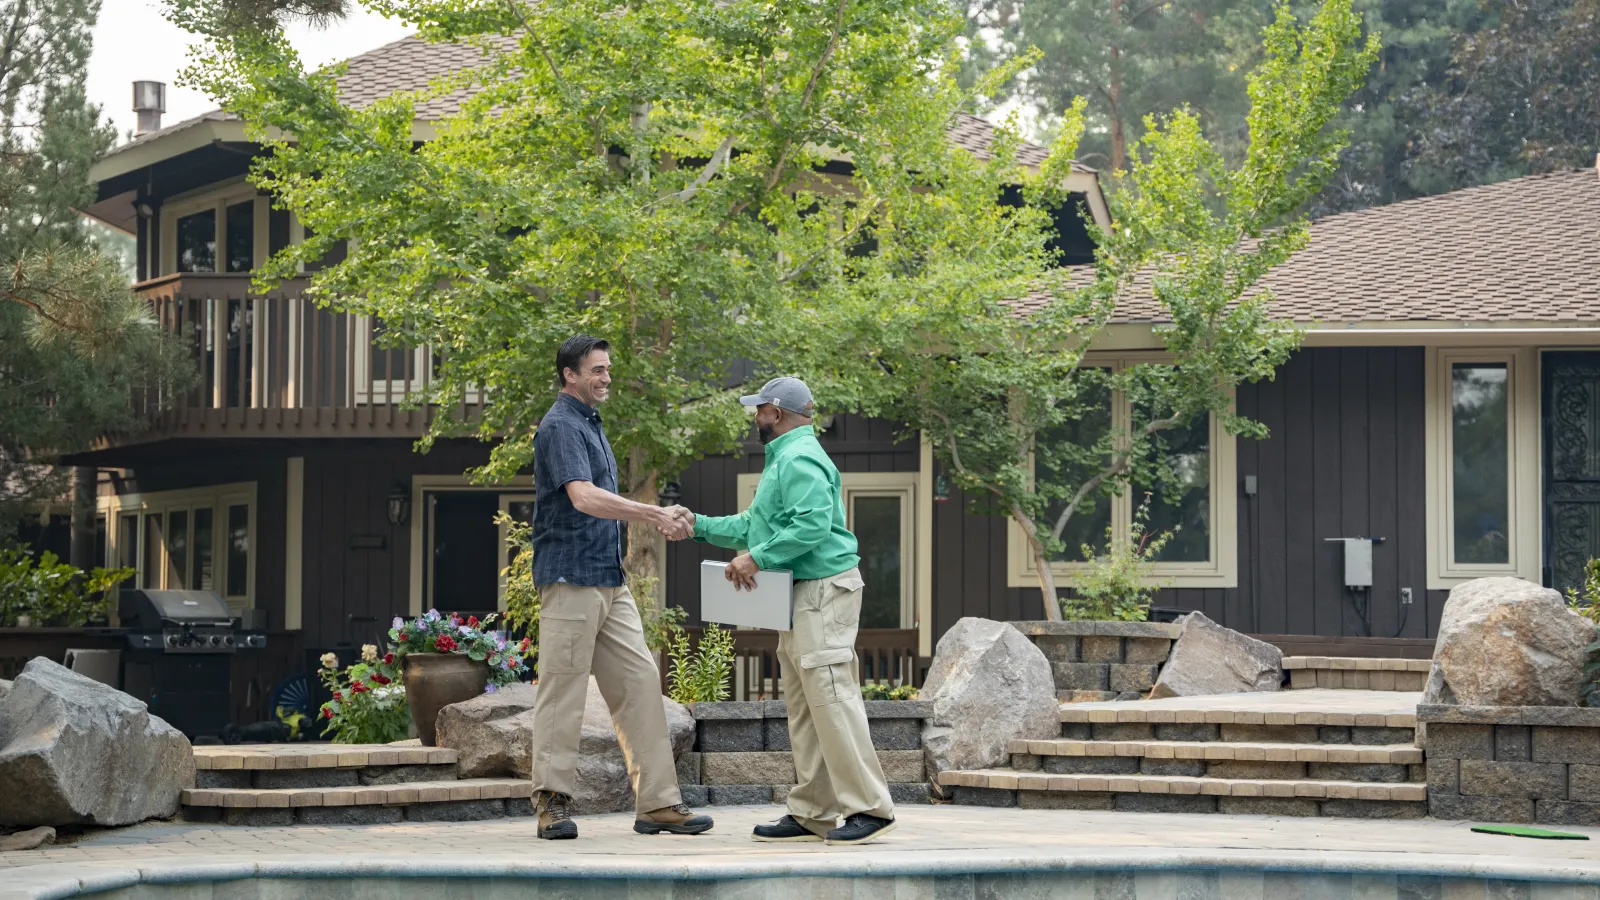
797, 521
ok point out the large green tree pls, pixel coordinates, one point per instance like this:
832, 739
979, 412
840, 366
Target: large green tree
74, 341
691, 180
1126, 58
1522, 96
1003, 398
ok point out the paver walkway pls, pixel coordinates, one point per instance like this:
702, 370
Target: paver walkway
937, 836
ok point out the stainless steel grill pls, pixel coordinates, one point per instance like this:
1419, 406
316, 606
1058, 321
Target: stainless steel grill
180, 660
181, 622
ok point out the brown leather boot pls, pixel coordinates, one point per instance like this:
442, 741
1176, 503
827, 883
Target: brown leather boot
555, 823
678, 819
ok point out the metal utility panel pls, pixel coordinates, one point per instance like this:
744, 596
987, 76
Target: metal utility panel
1357, 561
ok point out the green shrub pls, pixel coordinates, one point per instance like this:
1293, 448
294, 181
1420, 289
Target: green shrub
1118, 585
873, 690
1585, 601
703, 674
53, 594
369, 699
660, 622
522, 597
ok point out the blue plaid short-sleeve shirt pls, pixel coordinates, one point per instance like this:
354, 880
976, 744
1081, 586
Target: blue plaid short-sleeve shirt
569, 545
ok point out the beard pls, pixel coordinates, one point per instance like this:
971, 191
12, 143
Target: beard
764, 432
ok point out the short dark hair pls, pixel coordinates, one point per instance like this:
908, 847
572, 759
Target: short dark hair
572, 352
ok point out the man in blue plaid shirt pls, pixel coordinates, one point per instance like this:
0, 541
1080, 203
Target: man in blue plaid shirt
589, 622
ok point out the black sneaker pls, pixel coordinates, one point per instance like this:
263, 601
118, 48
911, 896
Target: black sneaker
785, 829
860, 829
555, 822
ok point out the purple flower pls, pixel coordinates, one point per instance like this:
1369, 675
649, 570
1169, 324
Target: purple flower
432, 615
464, 629
490, 688
398, 622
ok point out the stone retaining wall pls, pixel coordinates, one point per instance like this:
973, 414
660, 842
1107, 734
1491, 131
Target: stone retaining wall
1103, 660
1517, 764
741, 751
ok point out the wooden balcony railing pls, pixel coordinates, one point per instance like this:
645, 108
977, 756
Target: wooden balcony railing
277, 365
887, 656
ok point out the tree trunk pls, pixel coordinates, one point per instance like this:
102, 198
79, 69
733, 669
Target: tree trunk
641, 560
81, 548
1047, 578
1119, 137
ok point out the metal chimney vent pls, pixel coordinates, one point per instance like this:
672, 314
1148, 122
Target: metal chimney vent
149, 101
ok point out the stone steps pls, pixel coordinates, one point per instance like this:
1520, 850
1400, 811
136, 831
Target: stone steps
1303, 753
1356, 673
1173, 793
1394, 754
423, 801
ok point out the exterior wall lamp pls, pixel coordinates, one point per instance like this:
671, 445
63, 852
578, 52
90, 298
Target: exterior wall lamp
399, 504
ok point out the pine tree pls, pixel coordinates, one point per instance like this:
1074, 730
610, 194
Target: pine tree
74, 341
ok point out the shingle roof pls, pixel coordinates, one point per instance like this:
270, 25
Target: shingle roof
409, 63
1524, 250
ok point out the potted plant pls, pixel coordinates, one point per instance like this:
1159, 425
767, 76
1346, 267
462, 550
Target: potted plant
446, 660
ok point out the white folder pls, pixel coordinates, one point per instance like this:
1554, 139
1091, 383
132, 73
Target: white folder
770, 605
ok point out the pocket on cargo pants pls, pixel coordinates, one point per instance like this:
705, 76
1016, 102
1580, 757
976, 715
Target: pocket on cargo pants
841, 609
829, 675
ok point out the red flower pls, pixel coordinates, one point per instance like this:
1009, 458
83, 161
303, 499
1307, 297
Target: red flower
472, 621
526, 643
327, 713
388, 659
338, 695
444, 644
358, 687
378, 678
516, 663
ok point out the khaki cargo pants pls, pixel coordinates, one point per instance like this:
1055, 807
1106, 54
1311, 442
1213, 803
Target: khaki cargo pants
592, 629
838, 770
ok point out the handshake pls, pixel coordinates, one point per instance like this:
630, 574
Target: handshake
676, 523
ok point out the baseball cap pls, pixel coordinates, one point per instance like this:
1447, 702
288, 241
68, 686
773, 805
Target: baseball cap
785, 393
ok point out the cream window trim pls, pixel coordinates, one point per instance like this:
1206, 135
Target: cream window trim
216, 497
1523, 460
217, 199
421, 486
369, 391
1222, 568
294, 545
916, 531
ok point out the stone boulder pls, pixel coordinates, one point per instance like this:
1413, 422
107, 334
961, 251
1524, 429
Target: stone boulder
1508, 642
5, 688
75, 751
493, 736
1209, 659
989, 685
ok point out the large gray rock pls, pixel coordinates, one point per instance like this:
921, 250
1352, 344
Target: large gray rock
1508, 642
1209, 659
493, 737
75, 751
5, 688
989, 685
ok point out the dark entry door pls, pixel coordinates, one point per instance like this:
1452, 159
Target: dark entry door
1571, 465
466, 552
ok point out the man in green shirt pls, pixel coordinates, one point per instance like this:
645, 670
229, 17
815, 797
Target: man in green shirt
797, 524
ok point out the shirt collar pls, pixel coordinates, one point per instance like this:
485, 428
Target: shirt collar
580, 407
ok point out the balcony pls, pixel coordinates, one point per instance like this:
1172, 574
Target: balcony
275, 365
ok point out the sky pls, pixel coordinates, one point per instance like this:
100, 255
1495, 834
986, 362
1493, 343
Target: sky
133, 41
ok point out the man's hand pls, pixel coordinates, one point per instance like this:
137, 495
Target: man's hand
676, 523
742, 571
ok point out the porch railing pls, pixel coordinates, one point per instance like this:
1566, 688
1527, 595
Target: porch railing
276, 362
887, 656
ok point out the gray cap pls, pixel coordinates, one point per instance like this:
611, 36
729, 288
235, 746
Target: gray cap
784, 393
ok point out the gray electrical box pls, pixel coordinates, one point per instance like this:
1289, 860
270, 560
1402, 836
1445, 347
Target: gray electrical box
1357, 560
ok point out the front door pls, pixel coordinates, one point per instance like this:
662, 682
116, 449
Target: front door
1571, 465
465, 544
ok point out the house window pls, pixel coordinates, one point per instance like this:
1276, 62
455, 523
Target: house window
198, 539
197, 242
240, 236
1480, 459
1482, 452
1202, 551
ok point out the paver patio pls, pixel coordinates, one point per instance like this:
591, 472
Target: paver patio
939, 837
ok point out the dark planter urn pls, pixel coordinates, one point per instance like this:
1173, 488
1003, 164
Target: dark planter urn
436, 680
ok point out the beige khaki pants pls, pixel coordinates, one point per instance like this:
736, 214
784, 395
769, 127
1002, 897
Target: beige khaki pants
838, 770
592, 629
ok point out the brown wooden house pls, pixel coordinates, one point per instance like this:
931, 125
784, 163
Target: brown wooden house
1447, 401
